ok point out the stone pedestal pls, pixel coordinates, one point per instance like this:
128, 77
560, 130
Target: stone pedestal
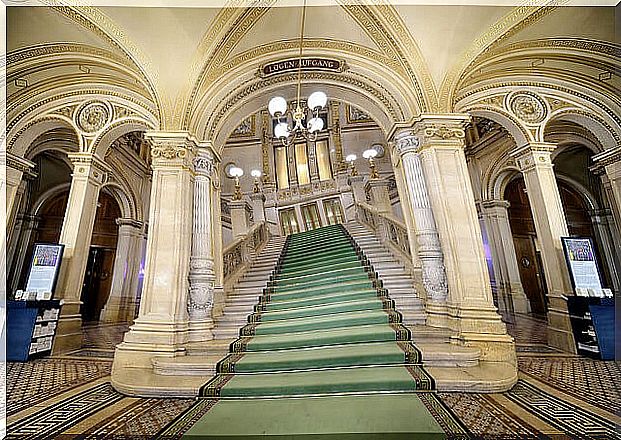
121, 304
357, 188
506, 270
545, 203
89, 174
379, 195
161, 328
257, 201
472, 316
239, 218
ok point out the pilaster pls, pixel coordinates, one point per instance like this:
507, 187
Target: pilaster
504, 259
121, 303
89, 174
161, 328
545, 202
472, 315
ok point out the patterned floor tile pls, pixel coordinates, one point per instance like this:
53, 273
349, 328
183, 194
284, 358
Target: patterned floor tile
36, 381
564, 416
596, 382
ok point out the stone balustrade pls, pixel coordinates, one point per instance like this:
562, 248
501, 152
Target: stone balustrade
241, 252
388, 229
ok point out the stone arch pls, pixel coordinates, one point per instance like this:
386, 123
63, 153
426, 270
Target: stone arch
19, 142
115, 130
582, 191
48, 195
606, 135
124, 198
516, 129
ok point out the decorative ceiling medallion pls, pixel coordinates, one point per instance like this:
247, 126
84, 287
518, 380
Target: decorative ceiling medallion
308, 64
528, 107
93, 116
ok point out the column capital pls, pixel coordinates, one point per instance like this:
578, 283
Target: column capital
130, 222
495, 203
405, 141
19, 164
533, 155
608, 157
172, 148
204, 162
90, 166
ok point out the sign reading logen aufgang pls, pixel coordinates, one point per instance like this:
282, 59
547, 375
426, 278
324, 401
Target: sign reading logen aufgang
289, 65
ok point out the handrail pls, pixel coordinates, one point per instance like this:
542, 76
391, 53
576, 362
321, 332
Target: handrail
387, 228
238, 255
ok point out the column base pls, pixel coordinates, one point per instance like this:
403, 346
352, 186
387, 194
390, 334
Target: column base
118, 310
437, 315
200, 330
68, 334
521, 304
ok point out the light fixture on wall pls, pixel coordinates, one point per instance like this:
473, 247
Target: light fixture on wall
236, 172
256, 174
351, 159
369, 155
316, 101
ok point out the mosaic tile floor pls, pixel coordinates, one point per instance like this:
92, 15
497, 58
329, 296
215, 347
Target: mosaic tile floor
559, 395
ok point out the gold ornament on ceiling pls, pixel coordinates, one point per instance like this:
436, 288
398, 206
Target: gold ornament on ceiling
528, 107
93, 116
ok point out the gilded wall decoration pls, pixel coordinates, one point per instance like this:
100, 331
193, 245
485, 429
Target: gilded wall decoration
356, 116
245, 129
528, 107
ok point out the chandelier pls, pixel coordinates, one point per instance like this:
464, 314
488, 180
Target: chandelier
316, 101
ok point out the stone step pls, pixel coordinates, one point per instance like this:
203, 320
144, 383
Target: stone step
425, 334
449, 355
195, 365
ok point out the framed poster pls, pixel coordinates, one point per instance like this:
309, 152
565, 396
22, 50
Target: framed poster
46, 259
580, 257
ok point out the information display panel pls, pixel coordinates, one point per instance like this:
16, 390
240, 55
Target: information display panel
580, 256
46, 259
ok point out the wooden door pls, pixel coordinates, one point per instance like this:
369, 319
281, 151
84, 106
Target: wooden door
531, 273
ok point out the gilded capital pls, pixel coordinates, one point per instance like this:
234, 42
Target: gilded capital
172, 148
441, 129
203, 162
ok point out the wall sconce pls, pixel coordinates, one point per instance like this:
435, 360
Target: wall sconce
236, 172
351, 158
369, 155
256, 174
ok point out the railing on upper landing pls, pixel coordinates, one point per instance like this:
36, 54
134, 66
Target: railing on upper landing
388, 229
238, 256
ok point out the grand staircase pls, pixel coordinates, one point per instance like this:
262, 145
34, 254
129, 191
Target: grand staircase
324, 338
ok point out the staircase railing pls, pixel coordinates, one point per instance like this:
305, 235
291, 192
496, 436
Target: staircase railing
238, 255
388, 229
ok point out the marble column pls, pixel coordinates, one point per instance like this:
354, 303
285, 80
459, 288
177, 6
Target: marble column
427, 241
89, 175
121, 303
202, 275
379, 195
28, 224
550, 225
610, 249
504, 259
161, 328
472, 316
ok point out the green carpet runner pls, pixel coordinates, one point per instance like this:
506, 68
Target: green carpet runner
323, 329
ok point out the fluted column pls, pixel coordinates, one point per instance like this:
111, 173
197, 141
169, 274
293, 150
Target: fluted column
202, 276
550, 225
504, 259
428, 244
121, 303
89, 175
161, 328
472, 316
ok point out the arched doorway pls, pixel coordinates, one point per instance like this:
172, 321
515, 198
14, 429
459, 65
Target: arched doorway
98, 274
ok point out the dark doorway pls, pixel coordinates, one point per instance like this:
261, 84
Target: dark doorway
528, 259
